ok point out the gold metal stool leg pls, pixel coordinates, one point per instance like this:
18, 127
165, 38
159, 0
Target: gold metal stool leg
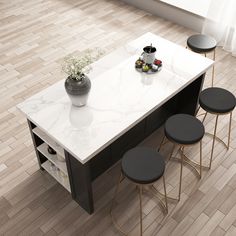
164, 184
181, 172
185, 160
213, 142
197, 110
194, 165
171, 153
156, 193
162, 143
160, 195
213, 69
191, 163
200, 159
215, 137
229, 133
116, 190
140, 188
141, 209
204, 117
112, 204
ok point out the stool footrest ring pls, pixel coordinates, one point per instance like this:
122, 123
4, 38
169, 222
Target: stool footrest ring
185, 161
158, 194
154, 192
193, 163
140, 188
218, 139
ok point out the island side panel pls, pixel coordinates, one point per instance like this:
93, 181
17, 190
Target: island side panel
36, 141
80, 182
188, 98
128, 140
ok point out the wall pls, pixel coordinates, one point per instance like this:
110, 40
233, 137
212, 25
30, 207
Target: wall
170, 13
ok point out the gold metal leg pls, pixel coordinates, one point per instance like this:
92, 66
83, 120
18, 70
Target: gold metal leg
200, 159
172, 150
214, 136
201, 114
160, 195
140, 188
141, 210
181, 172
162, 142
197, 167
116, 191
164, 184
213, 69
197, 110
213, 142
204, 117
229, 133
194, 165
112, 204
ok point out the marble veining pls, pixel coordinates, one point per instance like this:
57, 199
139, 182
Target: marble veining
119, 98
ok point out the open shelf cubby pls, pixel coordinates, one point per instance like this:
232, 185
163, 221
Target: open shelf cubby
53, 158
64, 181
49, 141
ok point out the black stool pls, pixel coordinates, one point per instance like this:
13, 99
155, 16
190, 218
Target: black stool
143, 167
201, 43
217, 101
184, 130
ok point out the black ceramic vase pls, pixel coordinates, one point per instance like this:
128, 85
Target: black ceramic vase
78, 90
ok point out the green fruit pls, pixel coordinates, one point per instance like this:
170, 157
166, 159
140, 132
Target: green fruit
145, 68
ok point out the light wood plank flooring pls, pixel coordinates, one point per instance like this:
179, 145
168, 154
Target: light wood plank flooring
34, 37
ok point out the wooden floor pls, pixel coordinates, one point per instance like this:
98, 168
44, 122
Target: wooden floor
34, 37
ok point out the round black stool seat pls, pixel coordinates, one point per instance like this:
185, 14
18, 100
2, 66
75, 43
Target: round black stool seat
143, 165
201, 43
217, 100
184, 129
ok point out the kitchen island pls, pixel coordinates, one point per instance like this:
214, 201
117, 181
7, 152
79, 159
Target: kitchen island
124, 107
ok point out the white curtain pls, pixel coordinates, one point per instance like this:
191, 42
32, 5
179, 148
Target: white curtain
220, 23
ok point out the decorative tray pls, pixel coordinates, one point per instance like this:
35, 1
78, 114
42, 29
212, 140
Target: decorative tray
141, 66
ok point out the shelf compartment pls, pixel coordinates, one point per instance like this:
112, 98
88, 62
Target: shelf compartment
63, 181
53, 158
49, 141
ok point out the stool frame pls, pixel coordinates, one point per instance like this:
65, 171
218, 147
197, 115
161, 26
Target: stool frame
140, 188
215, 137
184, 159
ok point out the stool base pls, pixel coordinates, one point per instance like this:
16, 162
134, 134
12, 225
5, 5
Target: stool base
215, 137
218, 139
184, 160
140, 187
163, 195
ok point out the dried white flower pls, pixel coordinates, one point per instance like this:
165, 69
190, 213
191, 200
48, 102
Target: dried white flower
76, 66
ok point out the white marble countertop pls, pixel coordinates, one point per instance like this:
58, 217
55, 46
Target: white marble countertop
120, 96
